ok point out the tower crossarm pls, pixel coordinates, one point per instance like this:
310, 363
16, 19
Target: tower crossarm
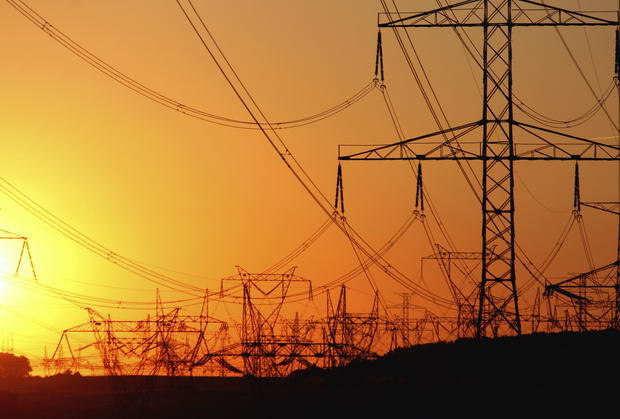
454, 255
531, 151
577, 282
531, 13
575, 279
538, 146
470, 13
497, 139
611, 207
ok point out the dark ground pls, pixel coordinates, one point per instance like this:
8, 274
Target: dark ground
542, 375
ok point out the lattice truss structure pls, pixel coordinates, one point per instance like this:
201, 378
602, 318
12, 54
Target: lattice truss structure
166, 344
270, 342
15, 247
272, 345
586, 301
498, 139
460, 270
266, 343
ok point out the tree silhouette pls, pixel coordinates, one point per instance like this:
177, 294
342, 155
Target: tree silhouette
12, 366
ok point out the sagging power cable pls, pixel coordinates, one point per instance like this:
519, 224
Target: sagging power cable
122, 78
276, 142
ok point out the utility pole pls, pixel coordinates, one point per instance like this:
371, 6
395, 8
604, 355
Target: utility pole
498, 304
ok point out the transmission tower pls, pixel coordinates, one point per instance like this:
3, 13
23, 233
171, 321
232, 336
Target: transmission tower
603, 296
350, 336
612, 208
463, 298
266, 349
498, 306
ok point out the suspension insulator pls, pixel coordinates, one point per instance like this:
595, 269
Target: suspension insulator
379, 58
419, 191
339, 191
577, 194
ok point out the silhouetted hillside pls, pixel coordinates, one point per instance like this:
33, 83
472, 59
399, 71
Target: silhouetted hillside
557, 354
556, 375
542, 375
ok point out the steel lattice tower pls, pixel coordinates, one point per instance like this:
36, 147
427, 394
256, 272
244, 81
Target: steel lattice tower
498, 305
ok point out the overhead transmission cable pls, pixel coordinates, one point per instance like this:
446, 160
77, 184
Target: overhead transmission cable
434, 212
583, 76
136, 268
395, 121
476, 59
129, 82
59, 225
433, 112
286, 260
399, 131
544, 120
587, 38
431, 108
83, 300
70, 232
569, 123
164, 100
288, 159
475, 53
367, 273
427, 99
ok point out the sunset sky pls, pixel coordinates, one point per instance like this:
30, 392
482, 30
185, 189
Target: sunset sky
192, 199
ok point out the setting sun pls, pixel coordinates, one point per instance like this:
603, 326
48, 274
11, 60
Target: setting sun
4, 287
272, 188
8, 262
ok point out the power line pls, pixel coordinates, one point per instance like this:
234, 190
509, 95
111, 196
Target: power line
164, 100
288, 158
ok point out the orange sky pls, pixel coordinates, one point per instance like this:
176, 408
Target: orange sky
174, 192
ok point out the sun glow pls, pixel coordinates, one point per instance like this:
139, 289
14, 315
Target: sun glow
7, 273
7, 267
15, 257
4, 285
